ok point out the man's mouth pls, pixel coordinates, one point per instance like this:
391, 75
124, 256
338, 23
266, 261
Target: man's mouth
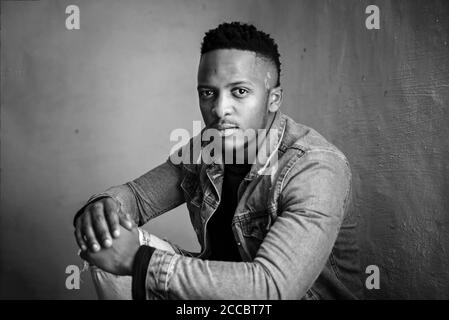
225, 132
226, 129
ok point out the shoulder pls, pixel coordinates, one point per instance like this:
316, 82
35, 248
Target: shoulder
299, 138
306, 155
312, 173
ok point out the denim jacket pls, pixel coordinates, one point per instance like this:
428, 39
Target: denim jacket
294, 227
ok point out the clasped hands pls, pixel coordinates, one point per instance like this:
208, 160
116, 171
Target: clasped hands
108, 238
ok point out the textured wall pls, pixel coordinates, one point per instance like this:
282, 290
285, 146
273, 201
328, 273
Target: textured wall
381, 96
83, 110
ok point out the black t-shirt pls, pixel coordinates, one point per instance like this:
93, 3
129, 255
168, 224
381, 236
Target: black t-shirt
219, 229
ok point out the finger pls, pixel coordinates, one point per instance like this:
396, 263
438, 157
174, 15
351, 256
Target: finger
126, 221
88, 231
111, 213
79, 237
100, 225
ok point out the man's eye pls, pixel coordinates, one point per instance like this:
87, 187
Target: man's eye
240, 92
206, 93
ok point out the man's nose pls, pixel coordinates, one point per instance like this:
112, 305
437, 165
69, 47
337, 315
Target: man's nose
222, 106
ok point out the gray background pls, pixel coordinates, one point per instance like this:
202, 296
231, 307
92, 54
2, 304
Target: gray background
86, 109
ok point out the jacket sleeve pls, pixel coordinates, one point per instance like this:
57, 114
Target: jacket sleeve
157, 191
314, 190
148, 196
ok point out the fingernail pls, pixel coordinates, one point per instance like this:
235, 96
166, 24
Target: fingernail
95, 247
116, 233
107, 242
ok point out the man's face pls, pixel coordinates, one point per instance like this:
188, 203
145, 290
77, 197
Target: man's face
234, 93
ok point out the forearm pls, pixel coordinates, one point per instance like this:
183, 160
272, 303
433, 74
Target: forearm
172, 276
181, 251
148, 196
285, 267
156, 192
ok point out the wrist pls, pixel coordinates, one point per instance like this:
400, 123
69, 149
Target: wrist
131, 258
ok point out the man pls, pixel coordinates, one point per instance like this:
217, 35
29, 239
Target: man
274, 223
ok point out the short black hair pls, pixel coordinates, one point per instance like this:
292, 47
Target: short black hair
242, 36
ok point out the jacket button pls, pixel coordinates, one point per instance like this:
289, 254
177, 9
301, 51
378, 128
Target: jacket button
239, 244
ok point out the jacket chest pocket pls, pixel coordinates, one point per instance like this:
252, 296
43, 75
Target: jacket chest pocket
255, 225
194, 199
254, 229
192, 190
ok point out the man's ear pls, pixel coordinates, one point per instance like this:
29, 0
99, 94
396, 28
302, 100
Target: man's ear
275, 99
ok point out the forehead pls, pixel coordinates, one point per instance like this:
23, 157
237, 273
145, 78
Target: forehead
226, 65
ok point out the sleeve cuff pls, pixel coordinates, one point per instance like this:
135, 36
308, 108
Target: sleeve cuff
139, 273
